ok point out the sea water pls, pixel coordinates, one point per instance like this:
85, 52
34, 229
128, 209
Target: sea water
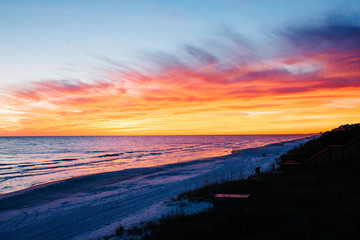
27, 161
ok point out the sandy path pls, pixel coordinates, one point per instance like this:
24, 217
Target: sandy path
93, 206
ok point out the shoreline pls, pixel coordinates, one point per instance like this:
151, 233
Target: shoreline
131, 171
30, 171
303, 202
62, 208
128, 174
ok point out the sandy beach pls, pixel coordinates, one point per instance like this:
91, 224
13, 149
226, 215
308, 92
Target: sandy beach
113, 113
93, 206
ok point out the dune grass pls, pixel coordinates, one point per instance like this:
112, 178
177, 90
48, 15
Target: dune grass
321, 202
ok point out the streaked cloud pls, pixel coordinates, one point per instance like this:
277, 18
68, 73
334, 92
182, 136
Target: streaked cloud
315, 70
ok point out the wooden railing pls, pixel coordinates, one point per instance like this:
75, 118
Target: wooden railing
328, 150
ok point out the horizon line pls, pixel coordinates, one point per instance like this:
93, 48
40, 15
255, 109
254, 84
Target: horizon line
155, 135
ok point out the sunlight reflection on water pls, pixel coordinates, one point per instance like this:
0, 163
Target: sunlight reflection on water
26, 161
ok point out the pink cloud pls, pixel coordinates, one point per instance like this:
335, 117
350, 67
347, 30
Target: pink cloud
232, 70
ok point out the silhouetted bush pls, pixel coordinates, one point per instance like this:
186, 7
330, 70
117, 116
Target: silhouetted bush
339, 136
319, 203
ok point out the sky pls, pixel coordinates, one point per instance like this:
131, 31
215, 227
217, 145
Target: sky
156, 67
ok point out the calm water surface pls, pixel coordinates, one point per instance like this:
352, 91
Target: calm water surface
26, 161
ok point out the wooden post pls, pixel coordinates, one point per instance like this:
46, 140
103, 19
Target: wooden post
257, 170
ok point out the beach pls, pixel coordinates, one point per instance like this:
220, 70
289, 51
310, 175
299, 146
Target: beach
135, 119
29, 161
93, 206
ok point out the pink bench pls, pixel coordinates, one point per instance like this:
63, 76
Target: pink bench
222, 201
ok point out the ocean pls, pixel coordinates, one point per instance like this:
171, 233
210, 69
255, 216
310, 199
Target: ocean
28, 161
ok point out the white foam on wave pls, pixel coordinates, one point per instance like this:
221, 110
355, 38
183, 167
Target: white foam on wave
93, 206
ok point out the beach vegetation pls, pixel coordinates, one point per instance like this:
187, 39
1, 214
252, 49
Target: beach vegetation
320, 202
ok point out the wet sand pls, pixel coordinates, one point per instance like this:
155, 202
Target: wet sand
92, 206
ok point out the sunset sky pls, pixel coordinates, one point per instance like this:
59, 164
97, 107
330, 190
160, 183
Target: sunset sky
160, 67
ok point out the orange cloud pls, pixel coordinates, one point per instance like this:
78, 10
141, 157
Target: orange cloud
312, 85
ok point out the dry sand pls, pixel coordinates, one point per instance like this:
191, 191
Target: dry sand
93, 206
